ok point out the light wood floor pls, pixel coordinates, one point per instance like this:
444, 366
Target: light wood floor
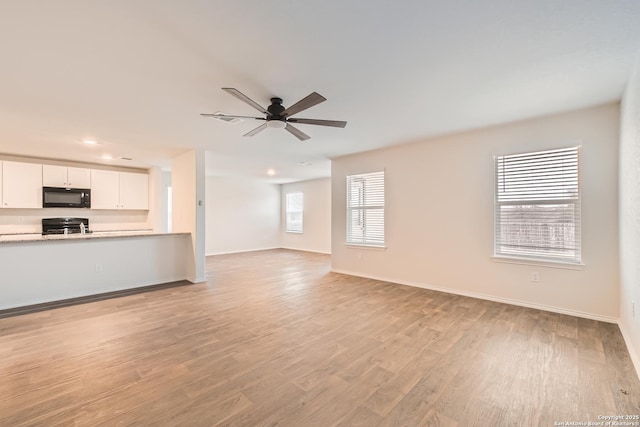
274, 338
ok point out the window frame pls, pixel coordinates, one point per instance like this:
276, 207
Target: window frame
287, 227
362, 208
538, 259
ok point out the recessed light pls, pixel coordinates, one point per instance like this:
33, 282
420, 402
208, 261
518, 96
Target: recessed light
107, 157
271, 172
304, 163
90, 141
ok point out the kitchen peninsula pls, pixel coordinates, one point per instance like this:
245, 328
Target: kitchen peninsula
37, 269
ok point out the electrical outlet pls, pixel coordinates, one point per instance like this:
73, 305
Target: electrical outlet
535, 277
98, 268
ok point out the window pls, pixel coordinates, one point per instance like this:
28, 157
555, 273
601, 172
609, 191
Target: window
295, 204
365, 209
537, 205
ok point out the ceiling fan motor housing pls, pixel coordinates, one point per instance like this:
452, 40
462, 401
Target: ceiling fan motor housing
275, 120
276, 107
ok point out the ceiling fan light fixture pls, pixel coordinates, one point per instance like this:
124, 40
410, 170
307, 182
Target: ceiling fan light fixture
276, 124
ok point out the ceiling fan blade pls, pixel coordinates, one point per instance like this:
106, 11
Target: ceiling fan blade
297, 132
334, 123
256, 130
218, 115
307, 102
244, 98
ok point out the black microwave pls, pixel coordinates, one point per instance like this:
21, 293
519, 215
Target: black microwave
60, 197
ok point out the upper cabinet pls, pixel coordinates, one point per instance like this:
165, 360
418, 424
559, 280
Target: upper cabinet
134, 190
105, 189
62, 176
21, 185
119, 190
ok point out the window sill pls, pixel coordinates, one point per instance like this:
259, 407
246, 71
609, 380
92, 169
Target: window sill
365, 246
537, 262
294, 232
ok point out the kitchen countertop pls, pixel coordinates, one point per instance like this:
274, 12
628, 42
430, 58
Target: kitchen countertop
16, 238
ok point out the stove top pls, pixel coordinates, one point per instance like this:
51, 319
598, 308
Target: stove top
64, 225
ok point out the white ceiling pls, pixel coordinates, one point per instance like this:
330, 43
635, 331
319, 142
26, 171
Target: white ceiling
136, 74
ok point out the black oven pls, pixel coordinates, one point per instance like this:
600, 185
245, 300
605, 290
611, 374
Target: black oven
59, 197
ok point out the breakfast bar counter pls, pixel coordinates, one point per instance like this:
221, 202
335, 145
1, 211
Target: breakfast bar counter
37, 269
33, 237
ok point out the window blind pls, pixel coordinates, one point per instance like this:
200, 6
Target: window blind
365, 209
294, 212
537, 205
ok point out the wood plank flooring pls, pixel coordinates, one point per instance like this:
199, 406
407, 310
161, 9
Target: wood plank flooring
274, 338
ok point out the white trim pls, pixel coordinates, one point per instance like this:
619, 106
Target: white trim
305, 250
268, 249
632, 351
241, 251
537, 263
510, 301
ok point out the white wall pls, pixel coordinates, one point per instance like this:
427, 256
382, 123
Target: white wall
188, 208
316, 235
630, 215
242, 215
439, 214
159, 181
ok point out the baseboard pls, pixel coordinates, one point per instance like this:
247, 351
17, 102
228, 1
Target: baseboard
632, 351
305, 250
83, 299
266, 249
477, 295
242, 251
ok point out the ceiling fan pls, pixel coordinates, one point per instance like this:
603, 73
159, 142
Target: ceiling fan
277, 116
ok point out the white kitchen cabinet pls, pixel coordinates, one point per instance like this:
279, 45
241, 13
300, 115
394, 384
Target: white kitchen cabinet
105, 189
79, 177
119, 190
62, 176
134, 190
21, 185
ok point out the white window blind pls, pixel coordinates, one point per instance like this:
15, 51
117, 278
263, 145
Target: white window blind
294, 212
537, 205
365, 209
